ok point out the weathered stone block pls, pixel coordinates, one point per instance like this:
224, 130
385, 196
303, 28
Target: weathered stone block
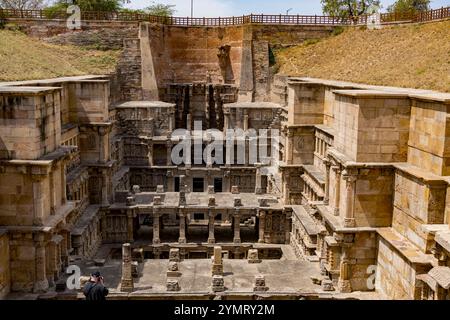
260, 284
252, 256
174, 255
173, 285
218, 284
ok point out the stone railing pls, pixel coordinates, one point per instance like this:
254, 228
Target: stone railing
431, 15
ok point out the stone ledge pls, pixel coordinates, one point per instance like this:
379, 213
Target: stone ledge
404, 247
443, 239
421, 174
306, 220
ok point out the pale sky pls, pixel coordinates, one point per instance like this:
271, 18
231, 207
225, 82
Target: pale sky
223, 8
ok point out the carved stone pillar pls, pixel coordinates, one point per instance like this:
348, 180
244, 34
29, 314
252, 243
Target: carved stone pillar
211, 238
226, 124
349, 218
258, 184
289, 138
130, 225
156, 227
287, 229
104, 178
103, 144
40, 281
38, 199
150, 153
126, 282
326, 198
169, 153
182, 238
237, 226
337, 193
245, 122
171, 120
344, 273
262, 226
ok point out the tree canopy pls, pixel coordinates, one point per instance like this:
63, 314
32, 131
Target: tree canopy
409, 5
159, 9
22, 4
347, 8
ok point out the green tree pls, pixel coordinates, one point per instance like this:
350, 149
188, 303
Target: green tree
159, 9
345, 9
87, 5
402, 6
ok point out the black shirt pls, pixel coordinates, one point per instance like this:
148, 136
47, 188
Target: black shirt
95, 291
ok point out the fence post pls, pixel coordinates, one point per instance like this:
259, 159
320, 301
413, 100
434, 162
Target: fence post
315, 19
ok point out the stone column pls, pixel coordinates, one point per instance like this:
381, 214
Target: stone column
289, 138
245, 122
130, 222
182, 238
287, 229
38, 200
226, 124
349, 219
217, 266
103, 157
63, 184
258, 184
156, 215
262, 226
126, 282
169, 153
344, 274
171, 120
211, 238
326, 198
237, 226
337, 194
150, 153
188, 122
105, 201
40, 281
316, 145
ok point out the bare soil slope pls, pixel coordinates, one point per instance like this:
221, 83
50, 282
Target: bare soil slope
412, 56
25, 58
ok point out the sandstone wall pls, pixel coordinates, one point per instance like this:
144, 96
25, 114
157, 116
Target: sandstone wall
372, 129
429, 141
303, 145
417, 202
185, 55
29, 195
305, 104
29, 124
89, 101
373, 197
364, 254
23, 259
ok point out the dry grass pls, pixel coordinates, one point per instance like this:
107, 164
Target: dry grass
25, 58
412, 56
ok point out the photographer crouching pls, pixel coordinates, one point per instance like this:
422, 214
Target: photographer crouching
95, 289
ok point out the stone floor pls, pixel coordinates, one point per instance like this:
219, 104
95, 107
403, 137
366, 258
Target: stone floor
287, 276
